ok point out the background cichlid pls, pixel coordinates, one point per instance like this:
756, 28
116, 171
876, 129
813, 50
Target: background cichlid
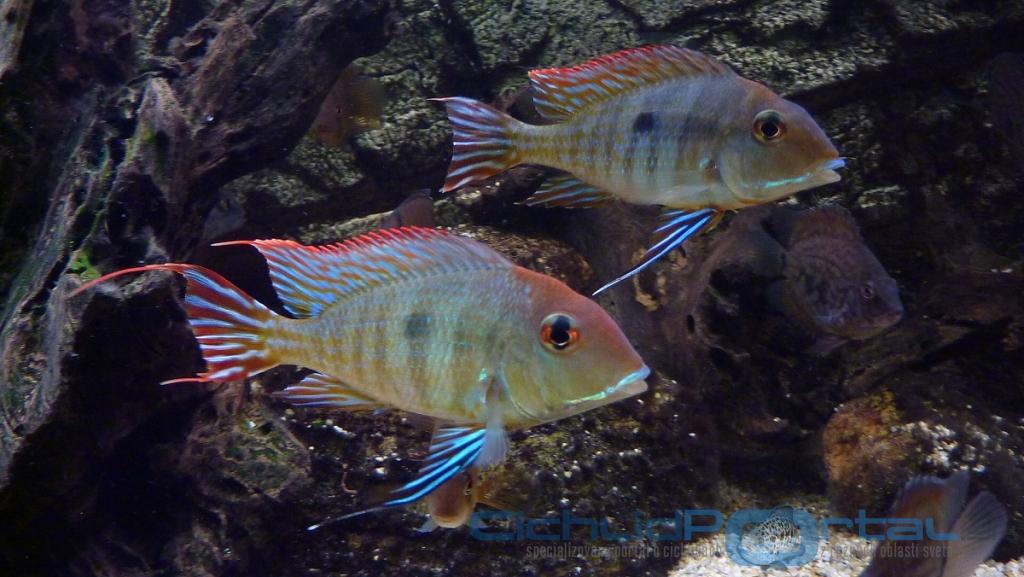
977, 528
419, 320
655, 125
832, 284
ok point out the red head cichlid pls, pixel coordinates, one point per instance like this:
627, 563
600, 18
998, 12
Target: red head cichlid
655, 125
974, 530
419, 320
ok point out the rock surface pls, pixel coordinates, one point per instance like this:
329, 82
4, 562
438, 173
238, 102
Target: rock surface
140, 135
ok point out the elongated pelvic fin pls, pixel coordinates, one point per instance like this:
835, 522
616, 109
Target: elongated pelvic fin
561, 93
229, 325
677, 226
481, 141
452, 450
309, 279
318, 390
565, 190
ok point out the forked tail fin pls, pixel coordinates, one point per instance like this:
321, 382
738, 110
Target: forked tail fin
482, 144
230, 326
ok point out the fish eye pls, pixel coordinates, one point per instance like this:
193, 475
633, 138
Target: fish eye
558, 332
768, 126
867, 292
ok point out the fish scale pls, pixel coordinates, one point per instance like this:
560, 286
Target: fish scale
383, 316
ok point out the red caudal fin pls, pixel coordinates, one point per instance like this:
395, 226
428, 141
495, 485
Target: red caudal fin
482, 143
230, 326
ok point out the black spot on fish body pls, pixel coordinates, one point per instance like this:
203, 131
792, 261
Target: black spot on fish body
417, 326
644, 122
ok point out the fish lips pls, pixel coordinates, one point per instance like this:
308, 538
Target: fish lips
632, 384
629, 385
825, 173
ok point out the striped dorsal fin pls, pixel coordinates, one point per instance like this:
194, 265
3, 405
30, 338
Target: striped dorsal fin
560, 93
308, 279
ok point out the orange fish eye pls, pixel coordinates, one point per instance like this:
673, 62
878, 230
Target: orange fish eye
769, 127
558, 332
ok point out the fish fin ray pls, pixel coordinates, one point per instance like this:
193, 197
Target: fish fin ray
308, 279
980, 528
319, 390
561, 93
495, 439
452, 450
677, 226
229, 325
565, 190
482, 144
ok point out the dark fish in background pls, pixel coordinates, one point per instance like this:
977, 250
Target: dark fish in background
832, 285
979, 527
353, 106
1006, 102
416, 210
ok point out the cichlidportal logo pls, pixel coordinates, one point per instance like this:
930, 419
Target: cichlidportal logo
780, 537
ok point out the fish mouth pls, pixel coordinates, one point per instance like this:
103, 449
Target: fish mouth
629, 385
824, 172
820, 173
633, 383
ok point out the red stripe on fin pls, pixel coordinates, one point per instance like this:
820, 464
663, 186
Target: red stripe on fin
318, 390
308, 279
229, 325
560, 93
565, 190
482, 143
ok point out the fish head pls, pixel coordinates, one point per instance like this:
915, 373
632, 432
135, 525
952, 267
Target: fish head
775, 149
867, 300
836, 278
452, 504
573, 356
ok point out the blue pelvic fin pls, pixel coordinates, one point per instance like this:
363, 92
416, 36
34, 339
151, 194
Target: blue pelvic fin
676, 226
452, 450
319, 390
567, 191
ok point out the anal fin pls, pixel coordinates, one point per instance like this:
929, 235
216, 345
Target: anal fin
319, 390
675, 228
565, 190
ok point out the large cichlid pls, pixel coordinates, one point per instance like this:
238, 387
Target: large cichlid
419, 320
657, 125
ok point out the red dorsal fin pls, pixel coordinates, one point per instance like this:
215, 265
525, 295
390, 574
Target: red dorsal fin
560, 93
308, 279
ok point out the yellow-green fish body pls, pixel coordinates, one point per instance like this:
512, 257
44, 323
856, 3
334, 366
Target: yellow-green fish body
422, 321
656, 125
